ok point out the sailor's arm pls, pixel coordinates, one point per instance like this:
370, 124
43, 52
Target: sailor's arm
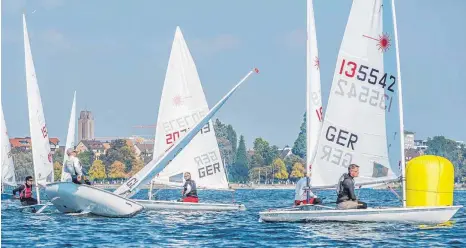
188, 189
19, 189
77, 167
350, 186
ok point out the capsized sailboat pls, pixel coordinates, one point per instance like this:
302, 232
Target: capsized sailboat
183, 103
73, 198
8, 167
363, 123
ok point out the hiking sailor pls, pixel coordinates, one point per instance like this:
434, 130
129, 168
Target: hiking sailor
25, 192
189, 189
301, 193
73, 171
346, 198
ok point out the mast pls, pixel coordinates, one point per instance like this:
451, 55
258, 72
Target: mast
400, 107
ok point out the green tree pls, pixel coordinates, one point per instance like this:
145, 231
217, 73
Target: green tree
298, 171
97, 170
299, 147
57, 168
58, 156
117, 170
137, 165
23, 163
291, 160
451, 150
119, 151
231, 136
86, 158
240, 170
280, 169
226, 139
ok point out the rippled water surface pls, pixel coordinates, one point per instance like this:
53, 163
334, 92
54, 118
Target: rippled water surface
228, 229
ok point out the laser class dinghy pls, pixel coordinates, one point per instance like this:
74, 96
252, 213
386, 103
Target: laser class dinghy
363, 123
80, 198
183, 103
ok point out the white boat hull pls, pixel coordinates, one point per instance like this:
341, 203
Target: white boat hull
414, 215
74, 198
189, 206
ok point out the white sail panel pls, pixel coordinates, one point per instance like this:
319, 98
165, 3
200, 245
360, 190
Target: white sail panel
70, 143
359, 123
182, 105
8, 167
314, 96
42, 156
160, 163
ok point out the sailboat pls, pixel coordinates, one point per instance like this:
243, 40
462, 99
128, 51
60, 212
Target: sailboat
70, 136
41, 153
75, 198
8, 167
313, 93
182, 104
363, 122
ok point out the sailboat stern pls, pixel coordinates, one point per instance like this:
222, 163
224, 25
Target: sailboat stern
69, 197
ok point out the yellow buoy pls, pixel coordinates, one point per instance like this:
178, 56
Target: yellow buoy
429, 181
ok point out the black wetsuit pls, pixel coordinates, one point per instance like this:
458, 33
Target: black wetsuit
193, 192
25, 201
345, 190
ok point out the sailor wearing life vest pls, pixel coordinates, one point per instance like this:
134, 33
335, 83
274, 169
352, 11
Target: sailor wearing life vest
189, 189
25, 192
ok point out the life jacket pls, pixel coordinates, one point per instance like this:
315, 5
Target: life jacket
26, 192
193, 191
342, 191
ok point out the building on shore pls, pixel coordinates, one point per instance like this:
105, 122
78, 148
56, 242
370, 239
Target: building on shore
85, 126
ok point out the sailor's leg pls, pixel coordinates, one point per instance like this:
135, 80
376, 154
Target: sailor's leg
362, 205
347, 205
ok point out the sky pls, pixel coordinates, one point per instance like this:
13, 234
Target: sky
115, 53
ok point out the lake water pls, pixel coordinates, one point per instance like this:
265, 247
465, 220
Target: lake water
228, 229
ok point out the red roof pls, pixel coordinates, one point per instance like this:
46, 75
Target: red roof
26, 142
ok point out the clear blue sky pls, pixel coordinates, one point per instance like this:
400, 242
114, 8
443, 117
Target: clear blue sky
114, 53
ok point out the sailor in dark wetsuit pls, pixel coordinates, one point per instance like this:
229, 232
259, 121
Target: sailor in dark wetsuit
189, 189
346, 198
25, 193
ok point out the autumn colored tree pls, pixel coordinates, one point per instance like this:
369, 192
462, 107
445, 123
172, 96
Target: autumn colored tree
97, 170
297, 171
137, 165
57, 168
280, 169
117, 170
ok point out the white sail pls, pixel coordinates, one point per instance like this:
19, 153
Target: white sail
8, 167
182, 105
158, 164
70, 143
361, 123
42, 157
313, 94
